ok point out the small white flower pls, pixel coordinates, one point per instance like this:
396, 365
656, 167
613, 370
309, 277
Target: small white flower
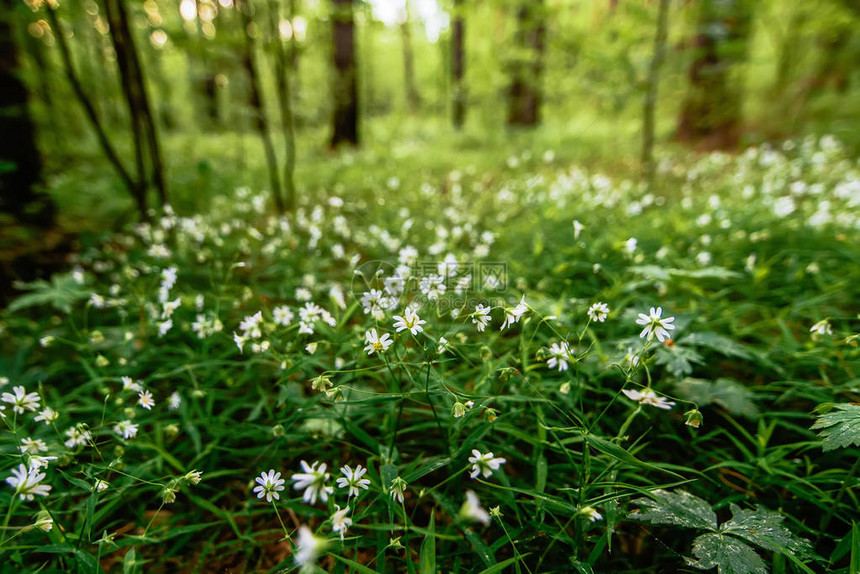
48, 415
145, 400
822, 328
21, 400
33, 446
481, 317
598, 312
352, 479
130, 385
164, 327
398, 488
308, 546
313, 482
375, 343
26, 483
484, 464
101, 485
410, 320
630, 245
269, 485
590, 513
78, 436
649, 397
126, 429
282, 315
44, 521
340, 521
577, 228
655, 324
559, 356
513, 315
471, 509
174, 401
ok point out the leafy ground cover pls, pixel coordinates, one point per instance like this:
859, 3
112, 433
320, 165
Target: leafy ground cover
519, 365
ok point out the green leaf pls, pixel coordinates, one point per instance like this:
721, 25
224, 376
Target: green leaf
678, 359
620, 454
129, 562
763, 528
679, 508
61, 293
854, 566
427, 564
500, 567
355, 565
841, 427
729, 394
726, 553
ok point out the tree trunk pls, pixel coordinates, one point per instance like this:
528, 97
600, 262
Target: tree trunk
134, 87
711, 114
283, 83
525, 92
20, 162
413, 99
261, 124
146, 117
458, 113
135, 188
345, 87
651, 91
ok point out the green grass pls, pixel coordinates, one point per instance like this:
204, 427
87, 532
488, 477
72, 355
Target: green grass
744, 284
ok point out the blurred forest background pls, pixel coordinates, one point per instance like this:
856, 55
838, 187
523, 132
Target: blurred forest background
114, 107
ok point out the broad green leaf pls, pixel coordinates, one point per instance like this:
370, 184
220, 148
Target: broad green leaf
679, 508
719, 343
840, 427
678, 359
726, 553
61, 293
763, 528
428, 549
129, 563
729, 394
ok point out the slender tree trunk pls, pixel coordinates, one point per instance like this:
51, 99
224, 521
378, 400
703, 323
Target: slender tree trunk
129, 87
413, 98
345, 86
261, 124
458, 114
525, 92
20, 162
651, 91
137, 191
283, 83
142, 94
711, 114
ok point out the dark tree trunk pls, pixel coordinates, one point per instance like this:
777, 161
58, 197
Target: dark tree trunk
345, 86
135, 187
413, 99
524, 99
711, 114
651, 91
283, 81
134, 86
458, 113
261, 124
20, 163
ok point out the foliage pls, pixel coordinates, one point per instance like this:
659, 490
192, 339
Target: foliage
722, 547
